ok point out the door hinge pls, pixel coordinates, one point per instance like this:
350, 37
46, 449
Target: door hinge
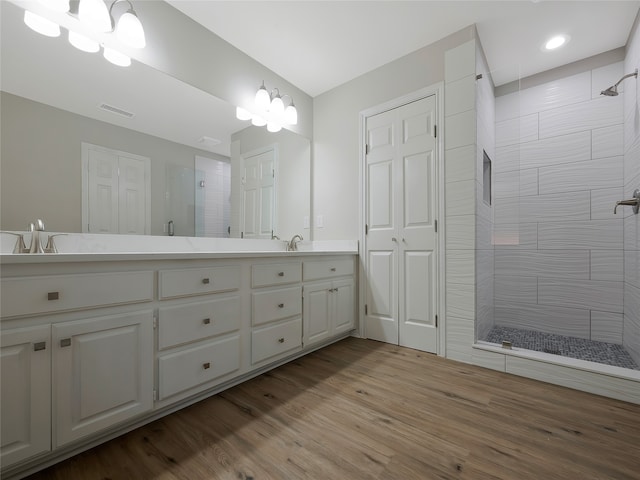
436, 321
435, 131
155, 322
366, 229
241, 234
155, 395
366, 310
435, 224
273, 174
366, 149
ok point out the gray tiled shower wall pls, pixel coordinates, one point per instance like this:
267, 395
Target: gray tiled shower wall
558, 170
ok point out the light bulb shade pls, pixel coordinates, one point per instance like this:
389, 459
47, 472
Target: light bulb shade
83, 43
262, 98
41, 25
243, 114
273, 127
116, 57
258, 121
291, 115
129, 30
61, 6
94, 14
277, 106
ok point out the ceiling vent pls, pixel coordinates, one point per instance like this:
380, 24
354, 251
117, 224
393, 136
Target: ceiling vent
209, 141
118, 111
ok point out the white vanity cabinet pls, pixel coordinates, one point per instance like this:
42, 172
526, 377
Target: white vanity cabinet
25, 400
199, 342
93, 347
74, 370
329, 299
276, 311
102, 373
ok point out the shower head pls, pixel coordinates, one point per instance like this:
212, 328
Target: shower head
612, 91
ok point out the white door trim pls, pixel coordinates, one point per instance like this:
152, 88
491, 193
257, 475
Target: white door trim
437, 90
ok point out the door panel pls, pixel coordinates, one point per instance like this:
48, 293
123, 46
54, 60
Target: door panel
103, 192
381, 317
132, 194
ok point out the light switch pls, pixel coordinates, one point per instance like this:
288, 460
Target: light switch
305, 221
320, 221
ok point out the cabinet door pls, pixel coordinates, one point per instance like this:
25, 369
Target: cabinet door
343, 305
317, 312
102, 372
26, 393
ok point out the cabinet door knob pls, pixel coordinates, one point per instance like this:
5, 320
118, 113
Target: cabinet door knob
65, 342
281, 305
205, 281
53, 295
39, 346
333, 269
281, 274
206, 321
281, 340
206, 365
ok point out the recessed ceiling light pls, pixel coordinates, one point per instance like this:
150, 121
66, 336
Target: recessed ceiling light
556, 42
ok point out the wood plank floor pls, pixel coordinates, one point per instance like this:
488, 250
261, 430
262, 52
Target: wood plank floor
360, 409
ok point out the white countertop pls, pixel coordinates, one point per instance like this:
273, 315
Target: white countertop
75, 247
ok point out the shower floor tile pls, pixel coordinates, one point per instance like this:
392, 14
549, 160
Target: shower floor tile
580, 348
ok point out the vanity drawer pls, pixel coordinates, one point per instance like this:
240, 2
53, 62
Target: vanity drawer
183, 370
275, 274
275, 340
327, 269
197, 281
270, 305
197, 320
54, 293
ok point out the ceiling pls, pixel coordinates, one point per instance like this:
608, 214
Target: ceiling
318, 45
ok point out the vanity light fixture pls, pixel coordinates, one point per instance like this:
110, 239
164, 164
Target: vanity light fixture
93, 16
269, 109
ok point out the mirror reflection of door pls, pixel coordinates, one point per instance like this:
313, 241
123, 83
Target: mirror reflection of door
212, 197
116, 191
259, 176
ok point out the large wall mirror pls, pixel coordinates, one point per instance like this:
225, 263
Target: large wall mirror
64, 112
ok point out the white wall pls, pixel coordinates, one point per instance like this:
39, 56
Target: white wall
335, 170
558, 172
631, 174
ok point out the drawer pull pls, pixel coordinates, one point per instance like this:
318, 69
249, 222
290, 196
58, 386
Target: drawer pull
332, 289
206, 321
281, 340
281, 305
333, 269
65, 342
206, 365
53, 295
39, 346
206, 281
281, 274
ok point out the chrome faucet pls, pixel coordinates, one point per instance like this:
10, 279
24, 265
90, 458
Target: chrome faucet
632, 202
292, 246
36, 242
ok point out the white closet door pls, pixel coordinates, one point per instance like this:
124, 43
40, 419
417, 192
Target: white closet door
103, 192
401, 243
116, 196
259, 193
